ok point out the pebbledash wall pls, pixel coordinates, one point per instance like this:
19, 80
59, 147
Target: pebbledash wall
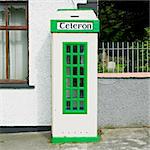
121, 102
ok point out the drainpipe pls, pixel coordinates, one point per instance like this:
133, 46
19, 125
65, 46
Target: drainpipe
98, 8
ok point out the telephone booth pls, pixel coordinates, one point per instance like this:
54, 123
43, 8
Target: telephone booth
74, 76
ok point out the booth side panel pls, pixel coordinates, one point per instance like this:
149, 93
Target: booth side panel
56, 83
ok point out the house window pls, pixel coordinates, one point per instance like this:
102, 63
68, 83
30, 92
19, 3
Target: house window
13, 42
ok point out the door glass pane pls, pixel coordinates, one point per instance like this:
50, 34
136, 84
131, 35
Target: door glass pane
75, 93
74, 105
68, 105
81, 71
75, 59
81, 82
18, 55
81, 59
68, 49
74, 49
17, 14
68, 93
75, 70
68, 82
2, 15
75, 82
81, 105
81, 49
68, 71
68, 59
81, 93
2, 55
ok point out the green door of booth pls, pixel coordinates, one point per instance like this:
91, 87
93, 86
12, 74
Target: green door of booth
74, 77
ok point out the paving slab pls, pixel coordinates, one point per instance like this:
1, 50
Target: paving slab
112, 139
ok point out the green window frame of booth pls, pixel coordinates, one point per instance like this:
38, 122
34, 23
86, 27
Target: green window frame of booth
72, 65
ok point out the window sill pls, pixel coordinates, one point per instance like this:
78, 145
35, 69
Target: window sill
142, 75
15, 86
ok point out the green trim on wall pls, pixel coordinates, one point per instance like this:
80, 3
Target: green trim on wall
56, 140
96, 26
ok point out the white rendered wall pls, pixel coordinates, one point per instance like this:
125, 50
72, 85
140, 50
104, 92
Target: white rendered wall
31, 107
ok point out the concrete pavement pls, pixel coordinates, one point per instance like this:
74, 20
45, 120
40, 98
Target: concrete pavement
112, 139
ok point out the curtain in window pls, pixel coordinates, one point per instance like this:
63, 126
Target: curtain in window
2, 45
2, 21
2, 55
18, 44
18, 54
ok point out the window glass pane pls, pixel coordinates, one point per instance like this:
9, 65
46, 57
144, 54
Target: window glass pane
81, 82
68, 93
68, 82
81, 59
81, 71
68, 49
75, 82
75, 78
68, 71
68, 59
68, 105
81, 105
74, 105
2, 55
75, 93
17, 14
74, 49
81, 94
81, 49
2, 15
74, 70
18, 55
75, 59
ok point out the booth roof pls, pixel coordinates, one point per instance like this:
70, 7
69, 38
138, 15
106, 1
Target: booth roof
75, 14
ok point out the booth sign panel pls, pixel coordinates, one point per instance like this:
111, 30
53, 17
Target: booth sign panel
75, 26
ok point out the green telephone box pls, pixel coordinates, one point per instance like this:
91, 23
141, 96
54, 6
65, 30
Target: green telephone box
74, 76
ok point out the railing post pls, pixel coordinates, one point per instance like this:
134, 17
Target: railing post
132, 56
128, 57
137, 56
103, 55
122, 47
147, 54
142, 56
118, 57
